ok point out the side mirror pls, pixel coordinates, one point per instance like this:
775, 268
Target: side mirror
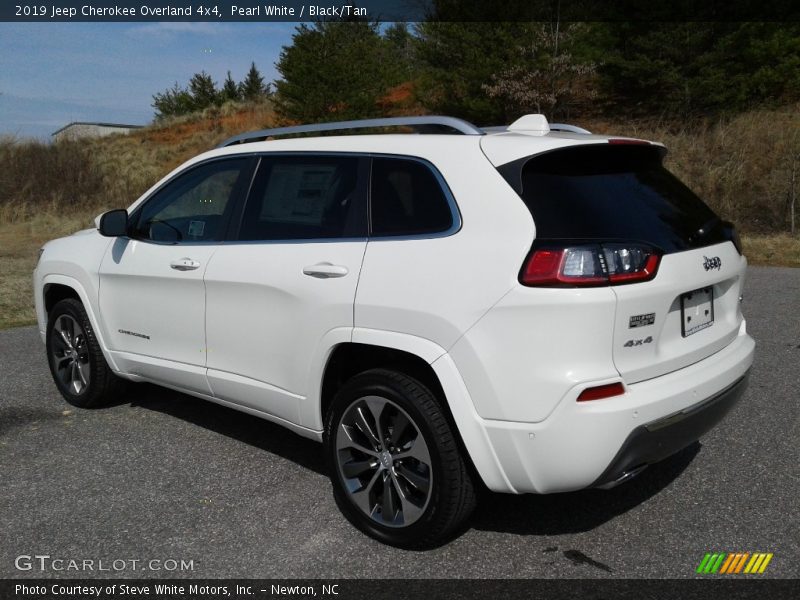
114, 223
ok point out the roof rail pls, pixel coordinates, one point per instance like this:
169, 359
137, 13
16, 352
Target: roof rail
553, 127
416, 122
568, 128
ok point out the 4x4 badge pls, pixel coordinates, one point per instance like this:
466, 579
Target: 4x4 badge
712, 263
631, 343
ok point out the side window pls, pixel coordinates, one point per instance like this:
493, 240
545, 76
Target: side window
191, 206
407, 199
304, 197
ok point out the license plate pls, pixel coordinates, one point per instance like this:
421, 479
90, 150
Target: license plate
697, 310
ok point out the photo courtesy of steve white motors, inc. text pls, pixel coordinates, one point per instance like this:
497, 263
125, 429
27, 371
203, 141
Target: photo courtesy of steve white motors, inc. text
190, 11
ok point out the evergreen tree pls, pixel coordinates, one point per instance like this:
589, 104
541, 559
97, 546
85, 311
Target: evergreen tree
458, 58
401, 48
701, 68
333, 71
172, 102
230, 90
252, 88
203, 90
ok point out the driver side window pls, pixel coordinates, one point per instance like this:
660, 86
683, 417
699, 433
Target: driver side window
191, 207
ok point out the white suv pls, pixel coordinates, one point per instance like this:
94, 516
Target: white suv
533, 308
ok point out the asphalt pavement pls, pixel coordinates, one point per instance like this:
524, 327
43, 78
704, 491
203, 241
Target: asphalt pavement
162, 477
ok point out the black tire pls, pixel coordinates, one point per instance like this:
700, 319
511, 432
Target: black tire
419, 515
76, 361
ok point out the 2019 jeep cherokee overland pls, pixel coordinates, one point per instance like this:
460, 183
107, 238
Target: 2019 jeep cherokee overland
539, 310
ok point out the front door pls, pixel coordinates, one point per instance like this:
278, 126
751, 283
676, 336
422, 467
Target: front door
152, 295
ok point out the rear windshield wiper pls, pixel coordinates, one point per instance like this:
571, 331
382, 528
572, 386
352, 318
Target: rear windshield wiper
705, 229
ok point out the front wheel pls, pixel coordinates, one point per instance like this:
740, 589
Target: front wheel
76, 361
394, 461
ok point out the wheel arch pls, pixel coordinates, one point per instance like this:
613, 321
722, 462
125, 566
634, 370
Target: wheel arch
349, 359
53, 293
59, 287
437, 372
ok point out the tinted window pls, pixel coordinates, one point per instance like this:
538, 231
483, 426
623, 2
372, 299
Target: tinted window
407, 199
191, 206
304, 197
615, 192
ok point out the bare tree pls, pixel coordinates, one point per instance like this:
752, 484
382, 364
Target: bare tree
547, 78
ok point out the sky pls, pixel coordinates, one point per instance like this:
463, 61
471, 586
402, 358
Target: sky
54, 73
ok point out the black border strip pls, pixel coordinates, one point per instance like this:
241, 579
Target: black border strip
733, 587
398, 10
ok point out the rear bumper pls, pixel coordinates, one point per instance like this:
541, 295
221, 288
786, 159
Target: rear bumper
585, 444
657, 440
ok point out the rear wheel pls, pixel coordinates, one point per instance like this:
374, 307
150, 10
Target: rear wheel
76, 361
394, 462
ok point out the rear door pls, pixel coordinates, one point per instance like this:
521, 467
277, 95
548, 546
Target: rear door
620, 193
688, 312
286, 280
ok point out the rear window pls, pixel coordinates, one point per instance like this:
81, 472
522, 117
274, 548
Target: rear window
613, 192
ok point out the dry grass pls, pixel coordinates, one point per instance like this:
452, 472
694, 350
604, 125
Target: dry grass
112, 171
19, 249
48, 191
780, 250
742, 167
16, 292
20, 242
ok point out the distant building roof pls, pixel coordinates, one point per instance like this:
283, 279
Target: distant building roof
120, 125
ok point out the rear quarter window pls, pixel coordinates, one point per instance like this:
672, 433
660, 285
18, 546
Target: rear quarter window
406, 198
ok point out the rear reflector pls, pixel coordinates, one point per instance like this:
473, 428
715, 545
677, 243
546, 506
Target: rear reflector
590, 265
599, 392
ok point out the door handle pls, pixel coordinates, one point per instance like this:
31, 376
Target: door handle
325, 270
184, 264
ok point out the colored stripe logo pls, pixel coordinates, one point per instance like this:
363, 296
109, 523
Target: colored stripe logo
734, 563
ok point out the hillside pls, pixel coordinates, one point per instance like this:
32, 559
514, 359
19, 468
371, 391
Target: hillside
747, 168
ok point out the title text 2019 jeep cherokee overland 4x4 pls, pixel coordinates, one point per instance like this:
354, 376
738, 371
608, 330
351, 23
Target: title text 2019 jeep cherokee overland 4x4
534, 307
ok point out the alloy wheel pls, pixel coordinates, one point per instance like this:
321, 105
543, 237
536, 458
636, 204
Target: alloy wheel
70, 354
384, 461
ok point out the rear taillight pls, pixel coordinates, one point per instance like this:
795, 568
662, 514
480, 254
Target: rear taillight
589, 265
